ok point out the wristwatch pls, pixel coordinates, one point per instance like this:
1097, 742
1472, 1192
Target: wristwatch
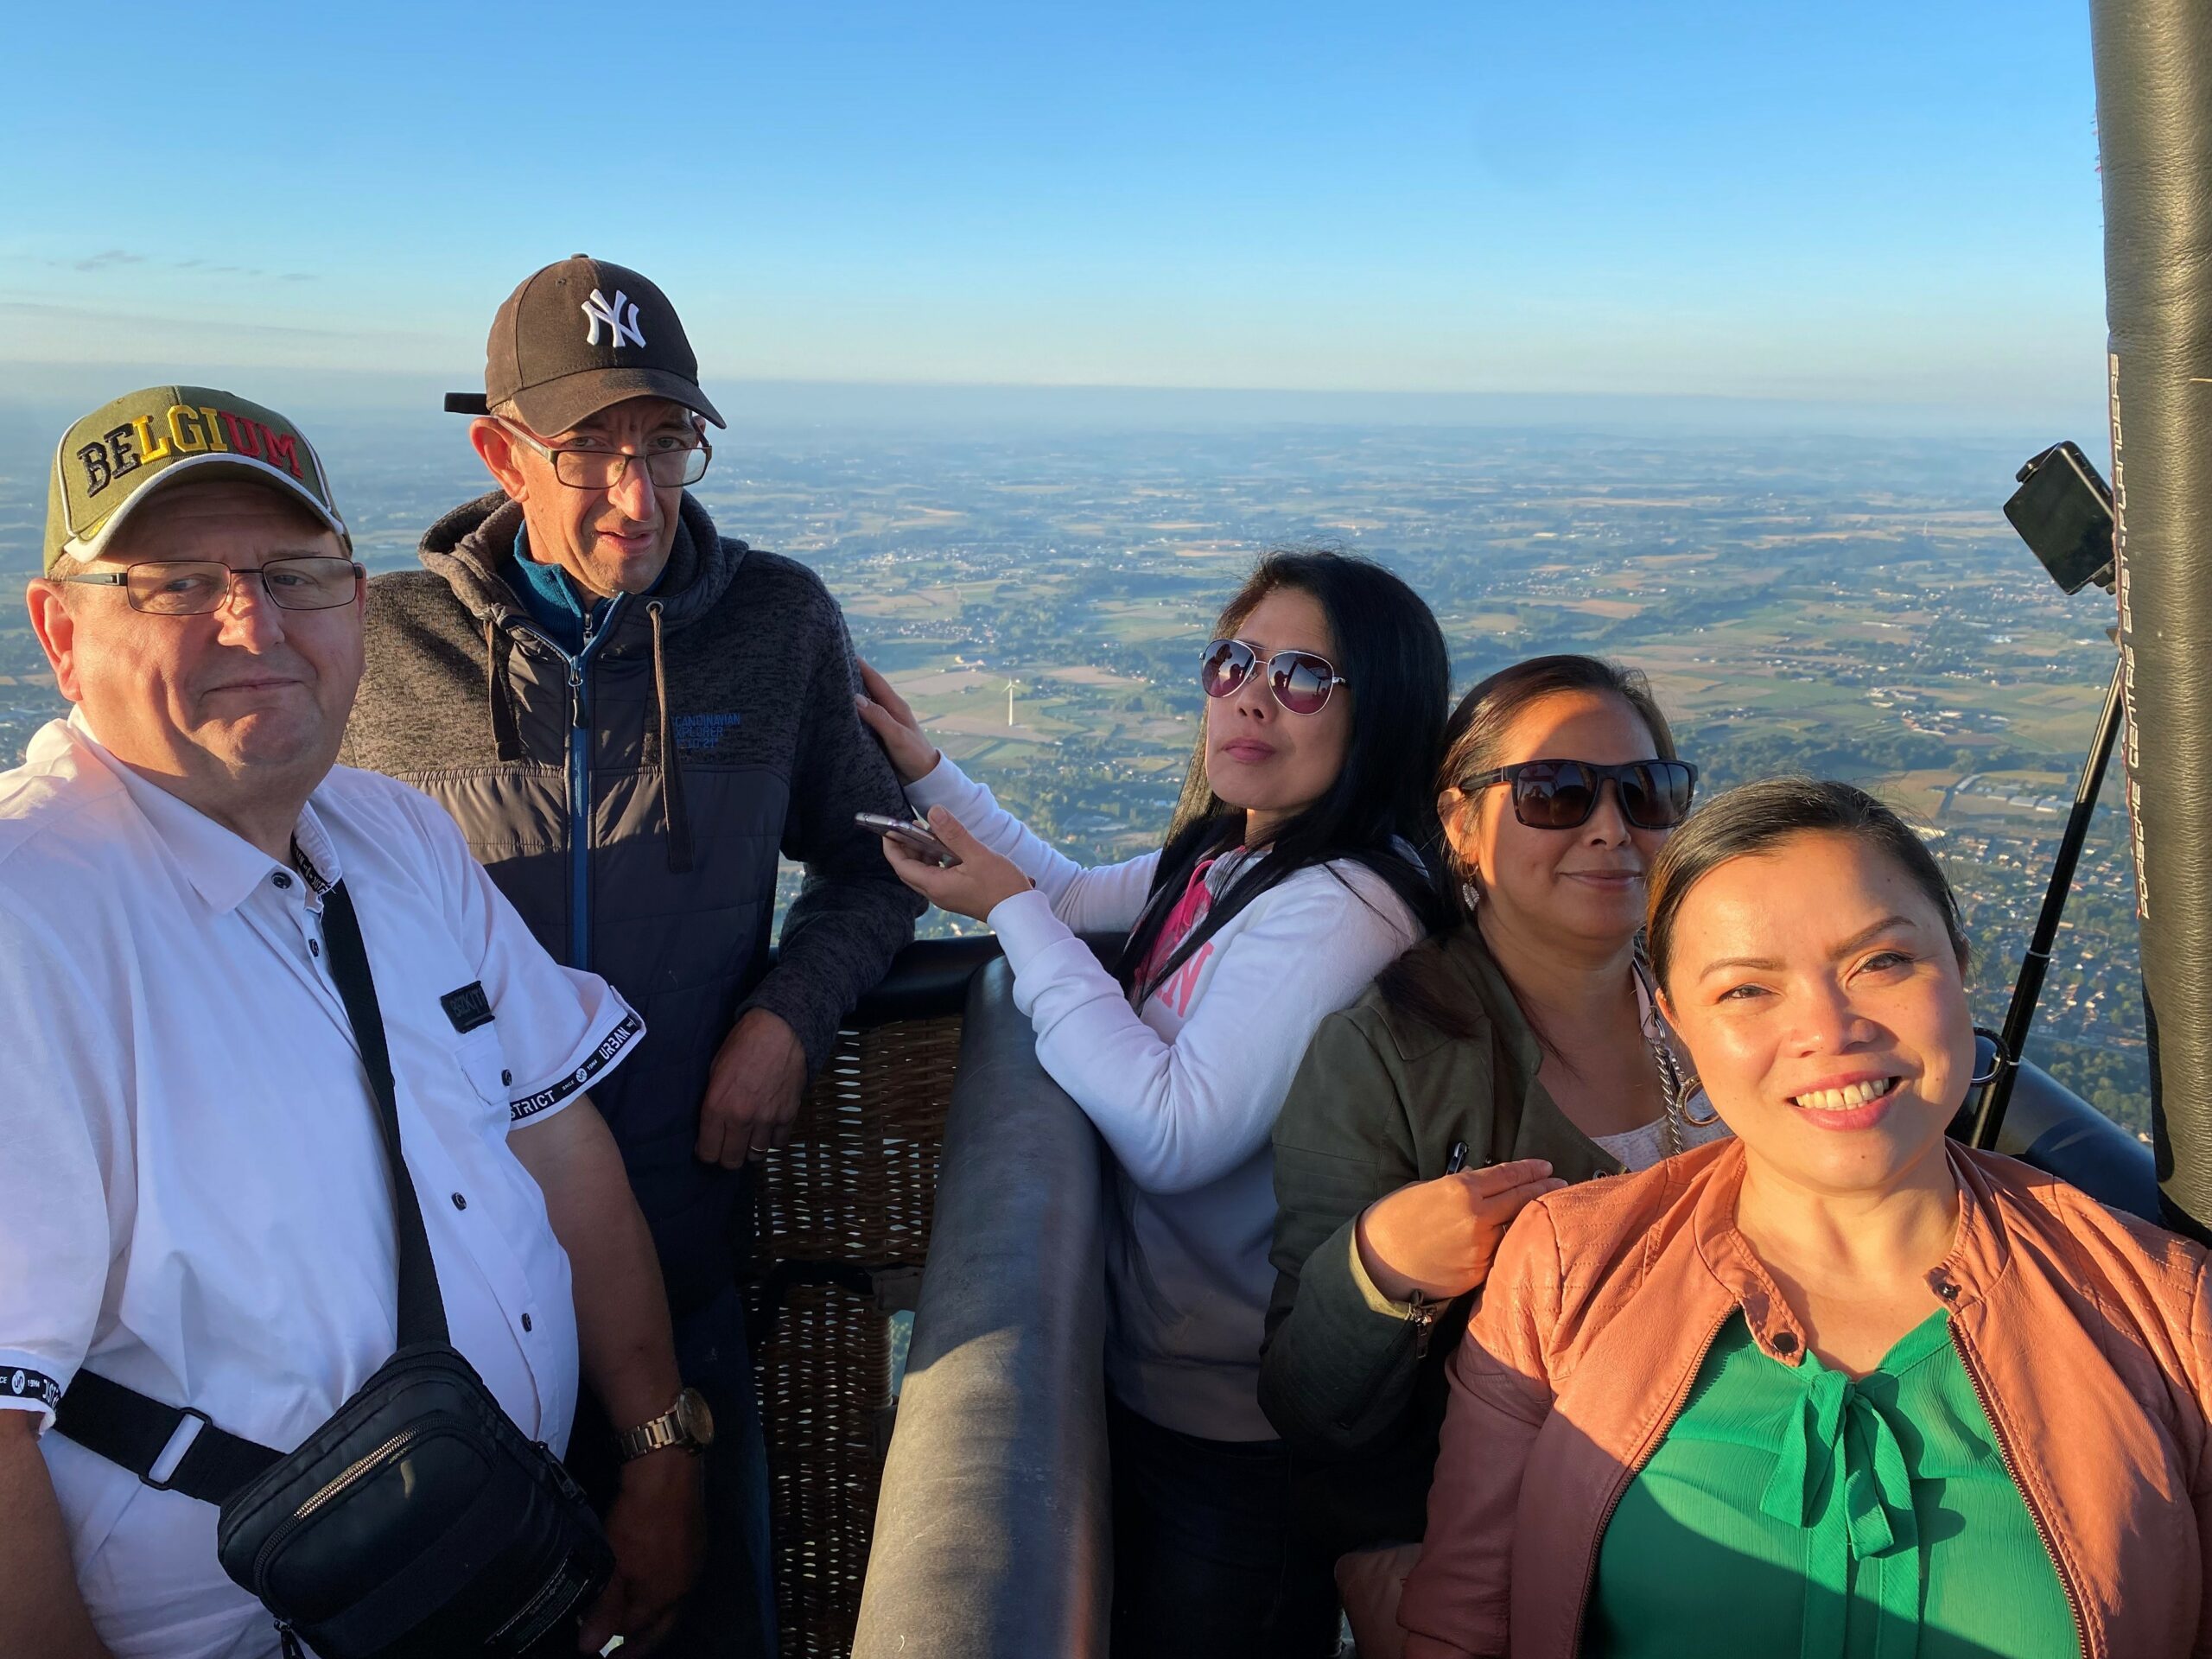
687, 1423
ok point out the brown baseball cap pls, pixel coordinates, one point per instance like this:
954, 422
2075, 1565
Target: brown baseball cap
109, 461
579, 336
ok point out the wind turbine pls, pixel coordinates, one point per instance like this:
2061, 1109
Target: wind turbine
1011, 685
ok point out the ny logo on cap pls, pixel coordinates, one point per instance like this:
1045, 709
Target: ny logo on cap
620, 326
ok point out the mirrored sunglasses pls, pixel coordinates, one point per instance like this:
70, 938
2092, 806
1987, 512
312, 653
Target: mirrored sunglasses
1300, 681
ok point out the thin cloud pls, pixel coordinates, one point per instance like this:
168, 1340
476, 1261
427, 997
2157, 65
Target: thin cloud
103, 261
109, 259
42, 313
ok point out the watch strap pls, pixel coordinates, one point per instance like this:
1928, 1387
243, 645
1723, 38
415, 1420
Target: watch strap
654, 1433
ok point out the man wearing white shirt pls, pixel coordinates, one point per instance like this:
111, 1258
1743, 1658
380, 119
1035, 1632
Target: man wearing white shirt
193, 1201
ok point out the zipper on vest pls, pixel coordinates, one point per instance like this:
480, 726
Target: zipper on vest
1629, 1474
578, 768
1420, 1313
580, 831
2012, 1469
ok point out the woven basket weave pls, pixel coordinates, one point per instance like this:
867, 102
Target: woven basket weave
854, 1189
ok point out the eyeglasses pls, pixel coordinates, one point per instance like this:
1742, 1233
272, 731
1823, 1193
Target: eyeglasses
603, 469
1562, 794
1301, 680
195, 587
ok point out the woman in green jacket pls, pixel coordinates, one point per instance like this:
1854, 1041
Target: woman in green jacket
1521, 1042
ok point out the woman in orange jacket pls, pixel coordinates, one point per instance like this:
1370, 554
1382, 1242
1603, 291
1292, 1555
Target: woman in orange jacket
1837, 1386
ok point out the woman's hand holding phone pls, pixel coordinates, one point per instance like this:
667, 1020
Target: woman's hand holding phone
974, 887
909, 834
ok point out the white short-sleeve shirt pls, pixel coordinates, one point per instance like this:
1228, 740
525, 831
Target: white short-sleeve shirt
193, 1199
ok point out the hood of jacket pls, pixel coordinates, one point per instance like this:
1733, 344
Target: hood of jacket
467, 546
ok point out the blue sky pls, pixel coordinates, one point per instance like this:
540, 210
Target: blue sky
1887, 202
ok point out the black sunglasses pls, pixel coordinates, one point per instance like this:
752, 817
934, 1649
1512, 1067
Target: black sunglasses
1562, 794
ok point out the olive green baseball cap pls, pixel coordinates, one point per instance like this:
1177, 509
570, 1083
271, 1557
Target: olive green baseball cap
108, 463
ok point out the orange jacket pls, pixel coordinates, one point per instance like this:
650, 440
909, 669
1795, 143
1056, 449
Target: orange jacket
2087, 1335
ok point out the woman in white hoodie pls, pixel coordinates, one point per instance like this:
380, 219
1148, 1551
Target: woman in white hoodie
1290, 877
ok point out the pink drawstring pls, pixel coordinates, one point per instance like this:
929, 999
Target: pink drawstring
1189, 910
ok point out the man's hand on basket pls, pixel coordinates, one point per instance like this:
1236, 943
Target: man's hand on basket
752, 1090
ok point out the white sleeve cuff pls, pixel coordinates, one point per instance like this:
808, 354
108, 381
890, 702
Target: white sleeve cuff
24, 1386
1026, 927
944, 784
608, 1040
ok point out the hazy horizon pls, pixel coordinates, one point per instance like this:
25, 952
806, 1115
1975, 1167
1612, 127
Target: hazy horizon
54, 394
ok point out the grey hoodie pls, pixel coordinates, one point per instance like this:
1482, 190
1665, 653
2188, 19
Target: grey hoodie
708, 726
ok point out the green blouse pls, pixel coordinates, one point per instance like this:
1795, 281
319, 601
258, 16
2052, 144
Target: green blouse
1791, 1510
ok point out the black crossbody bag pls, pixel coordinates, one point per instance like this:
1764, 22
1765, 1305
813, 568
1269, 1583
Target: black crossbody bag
419, 1522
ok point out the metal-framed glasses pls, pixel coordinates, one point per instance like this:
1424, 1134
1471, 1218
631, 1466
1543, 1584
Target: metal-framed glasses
1562, 794
1300, 680
603, 469
195, 587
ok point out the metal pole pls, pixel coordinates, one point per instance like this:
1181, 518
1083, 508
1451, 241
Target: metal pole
2022, 1012
2154, 126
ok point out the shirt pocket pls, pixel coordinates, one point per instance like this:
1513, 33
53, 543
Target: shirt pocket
484, 1063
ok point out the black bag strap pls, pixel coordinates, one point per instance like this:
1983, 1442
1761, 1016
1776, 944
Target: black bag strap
132, 1429
421, 1309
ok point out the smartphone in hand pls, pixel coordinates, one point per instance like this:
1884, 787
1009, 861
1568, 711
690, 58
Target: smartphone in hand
913, 837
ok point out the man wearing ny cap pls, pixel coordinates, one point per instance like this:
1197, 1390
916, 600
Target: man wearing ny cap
631, 715
195, 1200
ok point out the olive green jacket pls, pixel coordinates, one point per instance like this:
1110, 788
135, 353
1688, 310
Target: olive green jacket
1346, 1376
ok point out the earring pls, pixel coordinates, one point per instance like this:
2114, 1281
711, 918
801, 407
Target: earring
1998, 1060
1470, 890
1691, 1086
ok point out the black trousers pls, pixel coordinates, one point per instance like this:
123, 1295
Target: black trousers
1208, 1562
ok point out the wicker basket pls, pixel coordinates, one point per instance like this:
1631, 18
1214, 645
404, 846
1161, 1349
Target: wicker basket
844, 1226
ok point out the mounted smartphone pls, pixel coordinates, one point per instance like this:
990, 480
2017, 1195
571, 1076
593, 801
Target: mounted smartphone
909, 835
2063, 512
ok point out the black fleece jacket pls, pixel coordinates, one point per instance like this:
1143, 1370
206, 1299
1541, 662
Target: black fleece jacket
720, 729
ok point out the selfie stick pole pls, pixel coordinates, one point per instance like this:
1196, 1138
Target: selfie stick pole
1990, 1116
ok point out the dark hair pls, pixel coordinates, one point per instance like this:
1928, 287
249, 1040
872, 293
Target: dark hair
1389, 646
1418, 983
1756, 818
